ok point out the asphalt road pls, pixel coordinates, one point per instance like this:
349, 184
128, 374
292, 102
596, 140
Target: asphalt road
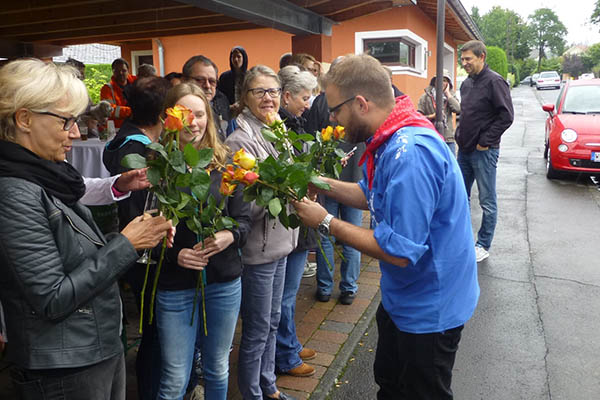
535, 333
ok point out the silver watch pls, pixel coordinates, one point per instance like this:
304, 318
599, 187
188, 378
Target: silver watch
324, 225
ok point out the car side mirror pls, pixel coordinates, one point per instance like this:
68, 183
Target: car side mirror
549, 108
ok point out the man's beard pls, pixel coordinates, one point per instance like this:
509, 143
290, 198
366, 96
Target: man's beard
357, 131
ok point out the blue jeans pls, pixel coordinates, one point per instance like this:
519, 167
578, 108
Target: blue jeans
178, 337
452, 147
288, 346
350, 267
262, 288
481, 166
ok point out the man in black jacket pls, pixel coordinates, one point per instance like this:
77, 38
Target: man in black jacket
486, 112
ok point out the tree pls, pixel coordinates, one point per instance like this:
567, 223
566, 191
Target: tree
96, 75
595, 18
573, 65
548, 33
496, 60
506, 29
475, 16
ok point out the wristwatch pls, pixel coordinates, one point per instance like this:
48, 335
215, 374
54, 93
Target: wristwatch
324, 225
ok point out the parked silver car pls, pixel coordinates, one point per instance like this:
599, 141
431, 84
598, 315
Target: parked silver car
548, 79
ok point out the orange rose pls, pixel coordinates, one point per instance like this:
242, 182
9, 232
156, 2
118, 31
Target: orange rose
250, 177
173, 124
271, 118
339, 132
243, 159
239, 174
228, 174
226, 188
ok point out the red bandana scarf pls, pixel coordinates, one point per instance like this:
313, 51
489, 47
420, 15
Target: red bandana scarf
403, 114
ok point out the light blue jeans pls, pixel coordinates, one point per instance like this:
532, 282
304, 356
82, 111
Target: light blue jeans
350, 266
262, 288
177, 337
288, 346
481, 166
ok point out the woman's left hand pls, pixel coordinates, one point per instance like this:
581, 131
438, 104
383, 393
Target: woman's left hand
213, 245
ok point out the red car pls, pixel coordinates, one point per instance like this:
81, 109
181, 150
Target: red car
572, 142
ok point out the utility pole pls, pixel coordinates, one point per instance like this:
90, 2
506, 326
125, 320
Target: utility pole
439, 80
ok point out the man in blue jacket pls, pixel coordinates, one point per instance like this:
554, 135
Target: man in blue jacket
486, 112
421, 230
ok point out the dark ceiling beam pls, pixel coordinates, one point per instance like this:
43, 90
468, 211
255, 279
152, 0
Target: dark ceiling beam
120, 38
276, 14
15, 49
114, 24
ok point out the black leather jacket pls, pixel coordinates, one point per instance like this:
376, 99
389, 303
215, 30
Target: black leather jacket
57, 280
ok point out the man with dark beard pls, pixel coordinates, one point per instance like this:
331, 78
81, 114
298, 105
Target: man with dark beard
421, 230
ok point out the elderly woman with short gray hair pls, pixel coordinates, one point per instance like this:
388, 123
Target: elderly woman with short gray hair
296, 89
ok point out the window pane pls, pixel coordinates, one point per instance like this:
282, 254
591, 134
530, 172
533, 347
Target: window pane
392, 51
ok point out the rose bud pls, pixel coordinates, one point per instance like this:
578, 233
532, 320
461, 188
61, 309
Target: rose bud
250, 177
173, 124
326, 133
243, 159
227, 189
339, 132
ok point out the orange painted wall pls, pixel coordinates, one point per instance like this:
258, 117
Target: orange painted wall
265, 46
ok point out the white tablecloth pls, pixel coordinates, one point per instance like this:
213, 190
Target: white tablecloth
86, 157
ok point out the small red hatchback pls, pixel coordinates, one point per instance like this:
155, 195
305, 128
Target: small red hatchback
572, 140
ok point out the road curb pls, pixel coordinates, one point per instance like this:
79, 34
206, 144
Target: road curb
328, 380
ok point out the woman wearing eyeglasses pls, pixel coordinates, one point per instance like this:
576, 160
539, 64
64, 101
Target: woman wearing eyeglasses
265, 252
58, 272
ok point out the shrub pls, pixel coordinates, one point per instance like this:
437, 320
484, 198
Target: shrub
496, 59
96, 75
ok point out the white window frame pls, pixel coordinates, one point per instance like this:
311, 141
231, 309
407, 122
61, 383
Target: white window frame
450, 67
420, 69
134, 59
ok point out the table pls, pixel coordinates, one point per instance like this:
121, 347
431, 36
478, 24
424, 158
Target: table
86, 157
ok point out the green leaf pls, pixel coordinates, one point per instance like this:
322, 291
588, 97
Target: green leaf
283, 218
177, 161
340, 153
190, 154
315, 180
274, 207
269, 135
159, 148
294, 221
153, 175
185, 199
183, 180
133, 161
205, 157
266, 194
307, 137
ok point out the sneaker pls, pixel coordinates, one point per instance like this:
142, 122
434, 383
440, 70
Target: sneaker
346, 298
302, 370
307, 354
198, 393
310, 269
481, 253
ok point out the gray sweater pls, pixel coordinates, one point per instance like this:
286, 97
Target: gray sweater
268, 240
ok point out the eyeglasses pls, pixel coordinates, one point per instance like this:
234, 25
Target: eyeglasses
203, 81
259, 93
334, 110
69, 122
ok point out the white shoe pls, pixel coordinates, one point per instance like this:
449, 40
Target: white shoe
481, 253
198, 393
310, 269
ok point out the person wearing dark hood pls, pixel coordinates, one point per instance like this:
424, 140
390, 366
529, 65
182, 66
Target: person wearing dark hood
427, 107
230, 81
146, 98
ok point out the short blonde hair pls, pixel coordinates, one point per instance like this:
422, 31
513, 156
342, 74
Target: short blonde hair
38, 86
210, 138
361, 75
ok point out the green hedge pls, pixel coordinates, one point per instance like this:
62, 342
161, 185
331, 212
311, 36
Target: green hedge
96, 75
496, 59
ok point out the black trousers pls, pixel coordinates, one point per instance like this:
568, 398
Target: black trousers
102, 381
413, 366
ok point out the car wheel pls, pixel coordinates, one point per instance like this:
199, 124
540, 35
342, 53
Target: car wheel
546, 150
551, 173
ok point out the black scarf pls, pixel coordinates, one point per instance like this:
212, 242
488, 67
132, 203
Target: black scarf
58, 179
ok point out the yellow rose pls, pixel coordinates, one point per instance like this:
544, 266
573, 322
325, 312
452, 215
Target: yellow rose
243, 159
339, 132
326, 133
